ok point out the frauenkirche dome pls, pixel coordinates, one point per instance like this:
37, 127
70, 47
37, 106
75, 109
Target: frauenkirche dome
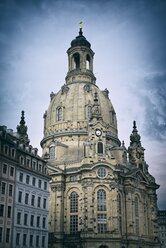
80, 103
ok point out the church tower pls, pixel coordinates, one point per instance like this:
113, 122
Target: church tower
101, 194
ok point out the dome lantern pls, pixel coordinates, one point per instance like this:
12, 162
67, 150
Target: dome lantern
80, 60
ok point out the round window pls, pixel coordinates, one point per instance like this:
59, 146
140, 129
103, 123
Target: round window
102, 172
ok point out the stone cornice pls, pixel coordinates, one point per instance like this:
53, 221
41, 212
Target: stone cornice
63, 133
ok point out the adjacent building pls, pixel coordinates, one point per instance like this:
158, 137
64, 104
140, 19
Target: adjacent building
8, 166
24, 192
101, 193
162, 227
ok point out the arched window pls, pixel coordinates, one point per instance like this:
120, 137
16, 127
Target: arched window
101, 216
73, 212
101, 200
100, 148
136, 215
136, 207
88, 62
89, 112
119, 204
73, 202
59, 114
76, 57
52, 152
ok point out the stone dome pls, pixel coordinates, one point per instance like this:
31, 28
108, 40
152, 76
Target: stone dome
78, 109
71, 109
80, 41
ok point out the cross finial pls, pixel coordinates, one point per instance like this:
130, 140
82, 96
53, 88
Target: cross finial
134, 125
80, 24
80, 32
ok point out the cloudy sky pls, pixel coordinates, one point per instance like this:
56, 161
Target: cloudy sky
128, 38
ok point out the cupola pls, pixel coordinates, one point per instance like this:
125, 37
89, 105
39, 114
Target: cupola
80, 60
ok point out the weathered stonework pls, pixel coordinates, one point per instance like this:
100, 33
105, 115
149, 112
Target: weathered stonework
98, 197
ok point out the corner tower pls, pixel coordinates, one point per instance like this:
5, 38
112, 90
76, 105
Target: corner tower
98, 197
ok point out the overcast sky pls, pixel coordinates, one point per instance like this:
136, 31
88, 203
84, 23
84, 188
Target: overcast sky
128, 38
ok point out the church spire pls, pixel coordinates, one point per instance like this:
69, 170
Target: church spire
22, 130
135, 137
135, 150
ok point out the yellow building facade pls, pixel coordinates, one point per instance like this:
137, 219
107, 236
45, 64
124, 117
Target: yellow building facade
101, 194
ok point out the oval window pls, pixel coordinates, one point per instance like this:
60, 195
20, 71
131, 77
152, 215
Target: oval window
102, 173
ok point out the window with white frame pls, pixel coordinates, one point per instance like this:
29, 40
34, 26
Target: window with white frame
3, 188
44, 222
137, 215
9, 211
13, 152
73, 211
10, 190
31, 240
101, 172
119, 201
24, 242
44, 203
45, 185
38, 221
32, 220
1, 210
38, 201
59, 114
17, 238
33, 181
89, 112
73, 202
102, 223
28, 162
43, 241
39, 183
26, 198
119, 207
101, 200
4, 168
37, 240
73, 223
11, 171
19, 218
27, 179
52, 152
21, 177
25, 219
20, 196
32, 200
22, 160
6, 150
136, 206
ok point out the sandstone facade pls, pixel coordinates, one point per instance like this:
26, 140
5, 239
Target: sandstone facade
101, 194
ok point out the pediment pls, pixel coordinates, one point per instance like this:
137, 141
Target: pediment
54, 170
137, 173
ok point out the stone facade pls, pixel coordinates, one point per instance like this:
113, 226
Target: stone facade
101, 194
24, 195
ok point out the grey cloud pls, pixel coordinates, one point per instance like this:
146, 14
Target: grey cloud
152, 94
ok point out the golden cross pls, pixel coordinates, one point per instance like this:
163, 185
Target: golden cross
80, 24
